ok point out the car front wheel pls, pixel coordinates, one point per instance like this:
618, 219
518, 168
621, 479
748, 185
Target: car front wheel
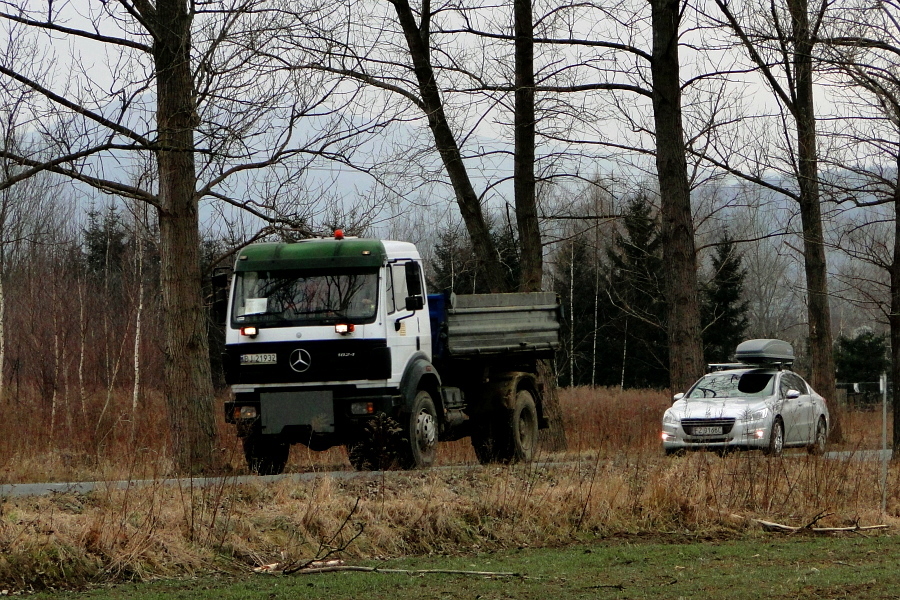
776, 439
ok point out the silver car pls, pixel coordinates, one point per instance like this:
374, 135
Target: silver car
764, 407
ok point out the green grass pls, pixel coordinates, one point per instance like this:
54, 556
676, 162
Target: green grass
761, 566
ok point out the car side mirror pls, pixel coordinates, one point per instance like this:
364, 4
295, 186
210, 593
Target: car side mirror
792, 394
414, 303
677, 397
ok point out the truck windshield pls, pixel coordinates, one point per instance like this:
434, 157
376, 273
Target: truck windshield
290, 298
733, 385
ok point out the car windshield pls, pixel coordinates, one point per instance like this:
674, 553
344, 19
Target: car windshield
751, 384
286, 298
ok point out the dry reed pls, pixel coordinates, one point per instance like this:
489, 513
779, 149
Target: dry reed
613, 481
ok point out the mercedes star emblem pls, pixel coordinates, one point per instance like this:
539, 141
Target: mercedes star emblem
300, 360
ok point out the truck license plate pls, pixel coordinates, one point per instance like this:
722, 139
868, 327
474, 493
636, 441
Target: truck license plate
707, 431
259, 359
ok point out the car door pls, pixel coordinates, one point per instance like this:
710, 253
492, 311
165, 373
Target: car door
806, 409
789, 410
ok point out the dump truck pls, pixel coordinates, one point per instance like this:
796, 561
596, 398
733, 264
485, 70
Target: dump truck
334, 341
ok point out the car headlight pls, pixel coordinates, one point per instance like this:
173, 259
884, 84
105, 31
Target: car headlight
757, 415
669, 419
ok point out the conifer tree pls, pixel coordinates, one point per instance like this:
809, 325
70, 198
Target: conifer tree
455, 266
723, 310
104, 243
862, 358
637, 293
574, 281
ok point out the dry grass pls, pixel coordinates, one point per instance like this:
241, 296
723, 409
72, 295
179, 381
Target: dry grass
613, 481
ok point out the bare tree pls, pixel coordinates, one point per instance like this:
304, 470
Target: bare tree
190, 91
685, 350
779, 40
862, 47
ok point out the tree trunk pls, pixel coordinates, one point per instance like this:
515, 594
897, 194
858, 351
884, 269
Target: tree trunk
894, 320
820, 339
417, 39
685, 352
188, 384
2, 333
530, 248
136, 390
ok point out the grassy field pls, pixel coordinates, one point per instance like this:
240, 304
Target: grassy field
611, 484
853, 566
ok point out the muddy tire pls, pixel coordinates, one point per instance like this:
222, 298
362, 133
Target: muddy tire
265, 455
421, 433
377, 445
523, 428
508, 435
484, 444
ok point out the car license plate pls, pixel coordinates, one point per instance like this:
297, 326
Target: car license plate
707, 431
259, 359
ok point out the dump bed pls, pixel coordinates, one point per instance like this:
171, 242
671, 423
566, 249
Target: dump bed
494, 324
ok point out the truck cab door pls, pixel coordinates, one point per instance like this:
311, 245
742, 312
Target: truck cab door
408, 329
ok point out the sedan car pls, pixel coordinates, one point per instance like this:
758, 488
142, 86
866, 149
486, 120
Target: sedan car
747, 407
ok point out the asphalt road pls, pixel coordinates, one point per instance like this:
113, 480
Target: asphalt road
84, 487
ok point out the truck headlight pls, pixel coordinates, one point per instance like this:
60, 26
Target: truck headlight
243, 413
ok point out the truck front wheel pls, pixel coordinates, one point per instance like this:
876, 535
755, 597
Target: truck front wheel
422, 432
265, 455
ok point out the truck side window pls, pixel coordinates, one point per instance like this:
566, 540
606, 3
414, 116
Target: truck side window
413, 279
389, 291
397, 299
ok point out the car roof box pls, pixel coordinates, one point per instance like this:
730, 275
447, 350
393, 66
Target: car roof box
764, 352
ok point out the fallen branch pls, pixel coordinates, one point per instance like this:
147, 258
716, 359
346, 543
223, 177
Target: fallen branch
334, 565
326, 549
772, 526
315, 570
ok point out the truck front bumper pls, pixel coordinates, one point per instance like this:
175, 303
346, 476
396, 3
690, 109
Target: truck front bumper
327, 416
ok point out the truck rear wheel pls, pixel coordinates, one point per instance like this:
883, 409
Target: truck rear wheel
509, 435
265, 455
484, 444
421, 432
523, 427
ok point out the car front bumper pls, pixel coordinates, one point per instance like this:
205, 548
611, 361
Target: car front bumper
750, 435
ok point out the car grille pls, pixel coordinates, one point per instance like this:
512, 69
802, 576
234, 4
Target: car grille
689, 424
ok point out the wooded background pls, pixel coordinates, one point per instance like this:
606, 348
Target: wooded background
684, 174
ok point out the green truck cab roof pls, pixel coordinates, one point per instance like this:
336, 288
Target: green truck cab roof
315, 254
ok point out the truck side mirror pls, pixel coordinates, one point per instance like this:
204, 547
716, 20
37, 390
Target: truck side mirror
414, 303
